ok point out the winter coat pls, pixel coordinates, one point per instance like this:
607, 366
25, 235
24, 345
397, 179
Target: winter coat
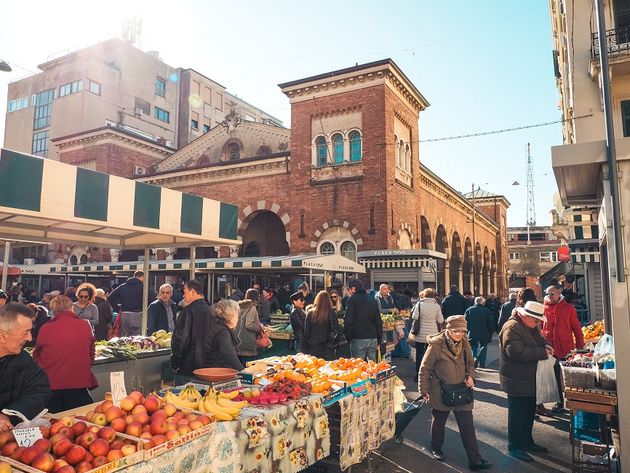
157, 317
24, 386
247, 329
481, 324
65, 351
561, 326
520, 349
191, 332
506, 313
494, 305
105, 316
298, 316
316, 335
385, 304
440, 365
220, 346
454, 304
264, 310
41, 318
128, 295
362, 319
430, 315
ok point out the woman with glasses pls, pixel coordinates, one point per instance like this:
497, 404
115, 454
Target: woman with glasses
449, 360
336, 300
84, 307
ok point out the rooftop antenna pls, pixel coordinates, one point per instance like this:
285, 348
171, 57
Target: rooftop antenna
531, 208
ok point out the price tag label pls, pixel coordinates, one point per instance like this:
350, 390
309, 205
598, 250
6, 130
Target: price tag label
27, 437
117, 384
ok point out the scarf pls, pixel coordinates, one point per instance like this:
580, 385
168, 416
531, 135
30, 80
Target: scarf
454, 347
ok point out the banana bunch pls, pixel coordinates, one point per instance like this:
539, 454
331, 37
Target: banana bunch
185, 401
190, 394
220, 405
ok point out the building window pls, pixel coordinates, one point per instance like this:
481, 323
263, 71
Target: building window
43, 102
194, 124
234, 152
327, 248
206, 128
264, 150
71, 88
142, 107
355, 146
321, 150
348, 250
95, 87
160, 87
548, 256
161, 115
40, 144
579, 233
337, 142
17, 104
514, 255
625, 117
595, 232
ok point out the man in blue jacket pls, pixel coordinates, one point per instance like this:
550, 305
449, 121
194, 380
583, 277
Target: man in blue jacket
481, 326
129, 297
162, 312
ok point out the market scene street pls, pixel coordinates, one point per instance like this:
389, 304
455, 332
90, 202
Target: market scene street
365, 237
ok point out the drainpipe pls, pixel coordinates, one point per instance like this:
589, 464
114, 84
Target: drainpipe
611, 154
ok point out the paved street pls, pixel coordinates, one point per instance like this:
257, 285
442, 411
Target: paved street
491, 425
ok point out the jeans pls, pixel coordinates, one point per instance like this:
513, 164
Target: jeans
521, 411
363, 348
479, 351
421, 349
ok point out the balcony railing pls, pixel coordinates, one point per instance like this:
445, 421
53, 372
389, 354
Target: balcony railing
617, 42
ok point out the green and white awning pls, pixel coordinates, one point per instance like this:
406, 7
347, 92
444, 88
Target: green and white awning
42, 200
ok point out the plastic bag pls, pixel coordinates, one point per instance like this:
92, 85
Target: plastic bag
605, 346
37, 421
546, 384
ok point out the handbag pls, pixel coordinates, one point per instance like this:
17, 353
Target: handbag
336, 337
262, 338
459, 394
415, 323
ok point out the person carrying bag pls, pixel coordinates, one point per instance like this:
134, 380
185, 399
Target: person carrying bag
447, 377
427, 318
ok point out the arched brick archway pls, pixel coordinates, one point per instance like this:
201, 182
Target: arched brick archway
477, 270
493, 272
467, 266
485, 271
425, 234
456, 261
247, 214
441, 276
336, 222
405, 237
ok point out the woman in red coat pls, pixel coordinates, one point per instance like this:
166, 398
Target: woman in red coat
65, 351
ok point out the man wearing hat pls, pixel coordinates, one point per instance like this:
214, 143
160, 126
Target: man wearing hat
298, 316
521, 347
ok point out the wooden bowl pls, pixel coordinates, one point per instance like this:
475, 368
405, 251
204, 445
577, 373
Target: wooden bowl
215, 375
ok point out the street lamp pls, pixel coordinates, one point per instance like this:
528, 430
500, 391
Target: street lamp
5, 66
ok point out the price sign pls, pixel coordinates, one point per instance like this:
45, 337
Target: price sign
27, 437
117, 384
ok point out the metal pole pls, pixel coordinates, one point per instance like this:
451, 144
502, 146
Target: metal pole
611, 153
5, 268
192, 263
474, 281
145, 293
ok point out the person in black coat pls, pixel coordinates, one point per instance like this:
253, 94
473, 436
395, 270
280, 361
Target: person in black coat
298, 319
494, 305
362, 325
506, 311
24, 386
481, 326
162, 312
454, 303
219, 350
129, 297
318, 325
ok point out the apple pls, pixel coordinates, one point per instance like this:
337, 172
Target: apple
44, 462
119, 425
108, 434
137, 396
66, 469
149, 444
67, 432
99, 419
196, 424
89, 415
84, 466
151, 403
95, 429
79, 428
146, 435
255, 392
142, 417
43, 444
17, 453
45, 431
59, 462
192, 416
76, 454
56, 427
99, 447
62, 446
116, 444
129, 419
127, 403
114, 413
246, 393
86, 439
146, 428
183, 429
158, 427
139, 409
205, 420
105, 405
67, 421
179, 415
99, 461
171, 426
89, 457
172, 434
159, 414
5, 438
159, 439
5, 467
183, 422
169, 409
128, 450
56, 438
29, 454
114, 455
134, 429
9, 448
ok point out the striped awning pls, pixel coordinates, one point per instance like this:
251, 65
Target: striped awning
42, 200
399, 263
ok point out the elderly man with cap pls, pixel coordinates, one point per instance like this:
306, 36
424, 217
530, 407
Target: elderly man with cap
298, 318
449, 360
521, 347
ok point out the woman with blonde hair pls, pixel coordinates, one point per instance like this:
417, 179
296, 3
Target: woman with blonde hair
84, 307
318, 324
426, 319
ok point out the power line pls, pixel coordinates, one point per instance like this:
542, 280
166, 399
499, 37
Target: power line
504, 130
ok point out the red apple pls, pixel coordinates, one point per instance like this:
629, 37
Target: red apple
146, 435
59, 462
196, 424
159, 415
5, 438
89, 457
183, 429
84, 466
119, 425
205, 420
17, 453
139, 409
43, 444
142, 417
56, 427
146, 428
86, 439
79, 428
105, 405
76, 454
9, 448
99, 461
178, 415
192, 416
66, 469
108, 434
129, 419
89, 415
45, 431
114, 455
62, 446
44, 462
114, 413
99, 447
151, 403
183, 422
137, 396
172, 434
159, 427
149, 444
29, 454
135, 429
116, 444
127, 403
67, 432
128, 450
169, 409
159, 439
56, 438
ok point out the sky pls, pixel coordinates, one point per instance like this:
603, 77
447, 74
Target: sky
483, 65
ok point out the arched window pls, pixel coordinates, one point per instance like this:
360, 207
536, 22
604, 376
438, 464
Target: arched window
83, 259
322, 151
355, 146
234, 152
327, 248
349, 250
401, 154
407, 159
337, 141
252, 249
73, 260
264, 150
397, 151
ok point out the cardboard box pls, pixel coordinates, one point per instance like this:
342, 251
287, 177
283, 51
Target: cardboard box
177, 442
5, 459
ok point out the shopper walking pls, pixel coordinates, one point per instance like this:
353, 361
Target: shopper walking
521, 347
448, 360
248, 326
105, 315
426, 320
506, 311
481, 326
318, 324
454, 303
129, 297
298, 318
362, 325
